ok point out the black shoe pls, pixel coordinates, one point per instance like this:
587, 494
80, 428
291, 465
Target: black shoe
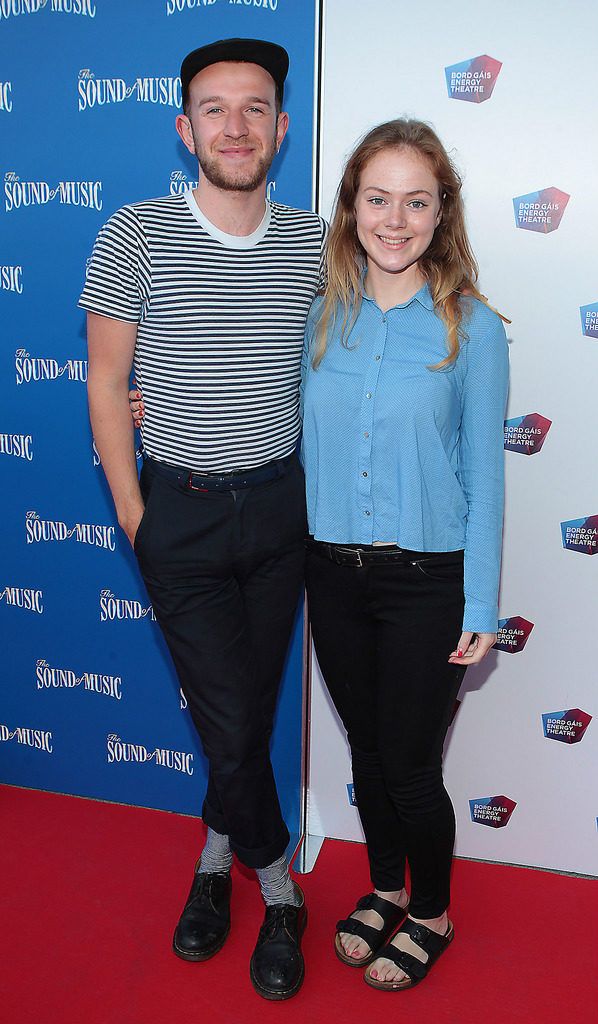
277, 968
205, 921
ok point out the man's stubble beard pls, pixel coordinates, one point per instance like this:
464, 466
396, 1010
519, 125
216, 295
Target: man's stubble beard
238, 181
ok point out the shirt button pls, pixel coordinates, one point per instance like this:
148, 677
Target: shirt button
369, 394
366, 513
366, 434
376, 358
364, 473
383, 319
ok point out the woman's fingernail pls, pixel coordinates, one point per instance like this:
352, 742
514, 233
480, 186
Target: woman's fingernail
459, 653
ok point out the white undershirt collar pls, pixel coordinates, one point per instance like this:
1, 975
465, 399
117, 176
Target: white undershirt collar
230, 241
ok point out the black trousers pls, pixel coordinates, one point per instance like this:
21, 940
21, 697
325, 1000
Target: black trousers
224, 571
383, 635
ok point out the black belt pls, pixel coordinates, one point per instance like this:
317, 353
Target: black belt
368, 555
234, 481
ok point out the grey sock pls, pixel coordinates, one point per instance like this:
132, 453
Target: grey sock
276, 884
216, 855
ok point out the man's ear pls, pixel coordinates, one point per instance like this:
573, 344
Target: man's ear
282, 124
183, 127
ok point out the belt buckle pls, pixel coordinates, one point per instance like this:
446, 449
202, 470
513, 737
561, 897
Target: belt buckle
191, 486
359, 558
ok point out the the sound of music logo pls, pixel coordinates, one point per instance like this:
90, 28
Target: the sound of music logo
36, 739
113, 609
160, 90
48, 677
137, 753
15, 8
20, 194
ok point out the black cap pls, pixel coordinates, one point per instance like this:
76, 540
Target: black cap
273, 58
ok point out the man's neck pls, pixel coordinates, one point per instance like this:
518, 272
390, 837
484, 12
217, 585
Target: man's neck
236, 213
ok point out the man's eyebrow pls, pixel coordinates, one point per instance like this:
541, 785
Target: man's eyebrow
248, 99
414, 192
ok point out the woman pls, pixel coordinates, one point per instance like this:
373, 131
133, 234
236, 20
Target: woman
405, 382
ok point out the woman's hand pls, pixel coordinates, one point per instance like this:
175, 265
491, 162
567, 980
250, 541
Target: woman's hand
136, 406
472, 647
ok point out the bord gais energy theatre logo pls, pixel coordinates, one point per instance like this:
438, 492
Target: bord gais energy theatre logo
513, 634
589, 320
566, 726
472, 80
581, 535
494, 811
540, 211
526, 434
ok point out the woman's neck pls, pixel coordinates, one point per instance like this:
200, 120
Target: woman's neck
390, 290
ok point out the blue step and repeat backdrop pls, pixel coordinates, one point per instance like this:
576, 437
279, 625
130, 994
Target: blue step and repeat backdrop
89, 92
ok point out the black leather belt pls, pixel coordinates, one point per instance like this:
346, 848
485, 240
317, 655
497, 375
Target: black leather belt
234, 481
367, 555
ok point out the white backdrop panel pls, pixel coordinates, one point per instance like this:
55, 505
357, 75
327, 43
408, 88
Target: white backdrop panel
535, 132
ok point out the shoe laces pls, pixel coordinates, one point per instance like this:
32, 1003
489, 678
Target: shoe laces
277, 918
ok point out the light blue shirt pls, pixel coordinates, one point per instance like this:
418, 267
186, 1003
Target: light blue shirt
396, 452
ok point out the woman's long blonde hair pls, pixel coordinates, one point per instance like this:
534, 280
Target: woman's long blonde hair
448, 265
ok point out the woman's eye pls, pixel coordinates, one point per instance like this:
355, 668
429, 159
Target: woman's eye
417, 205
376, 200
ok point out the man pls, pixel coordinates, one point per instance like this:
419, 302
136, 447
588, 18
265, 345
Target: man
207, 293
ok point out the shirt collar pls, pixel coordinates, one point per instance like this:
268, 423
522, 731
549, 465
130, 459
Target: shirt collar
423, 296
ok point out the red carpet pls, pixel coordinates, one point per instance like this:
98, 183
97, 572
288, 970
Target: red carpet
91, 893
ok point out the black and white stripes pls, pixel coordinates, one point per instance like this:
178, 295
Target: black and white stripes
221, 322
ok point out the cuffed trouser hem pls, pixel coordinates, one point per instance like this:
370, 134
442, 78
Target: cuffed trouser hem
262, 857
251, 857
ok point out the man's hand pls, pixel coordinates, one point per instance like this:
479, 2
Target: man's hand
130, 524
472, 647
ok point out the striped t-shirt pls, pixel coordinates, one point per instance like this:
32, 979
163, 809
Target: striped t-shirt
221, 323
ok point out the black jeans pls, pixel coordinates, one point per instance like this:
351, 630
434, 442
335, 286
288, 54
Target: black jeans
383, 635
224, 572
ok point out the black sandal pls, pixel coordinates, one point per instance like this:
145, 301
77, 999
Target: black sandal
391, 915
431, 942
